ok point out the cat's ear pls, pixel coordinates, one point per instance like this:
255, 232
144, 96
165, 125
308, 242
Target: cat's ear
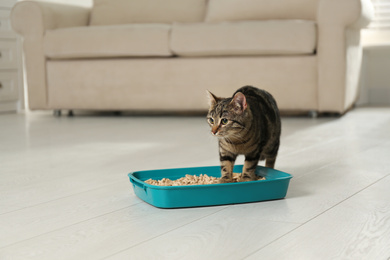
239, 102
212, 98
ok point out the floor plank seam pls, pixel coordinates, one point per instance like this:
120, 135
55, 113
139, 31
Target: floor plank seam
311, 219
167, 232
334, 162
309, 146
65, 227
60, 198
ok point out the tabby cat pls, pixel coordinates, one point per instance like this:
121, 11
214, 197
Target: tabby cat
248, 123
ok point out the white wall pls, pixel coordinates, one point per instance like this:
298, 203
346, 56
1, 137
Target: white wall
86, 3
375, 80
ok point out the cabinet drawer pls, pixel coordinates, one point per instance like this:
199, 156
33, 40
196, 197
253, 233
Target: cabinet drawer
5, 23
8, 85
7, 3
8, 54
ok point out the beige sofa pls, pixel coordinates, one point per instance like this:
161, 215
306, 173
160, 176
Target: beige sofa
162, 55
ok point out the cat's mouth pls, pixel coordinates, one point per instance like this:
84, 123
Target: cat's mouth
216, 132
219, 134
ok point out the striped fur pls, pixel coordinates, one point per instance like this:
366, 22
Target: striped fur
246, 124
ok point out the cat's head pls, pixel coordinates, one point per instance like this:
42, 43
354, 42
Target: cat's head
227, 117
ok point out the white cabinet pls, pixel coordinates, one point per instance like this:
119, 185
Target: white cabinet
11, 80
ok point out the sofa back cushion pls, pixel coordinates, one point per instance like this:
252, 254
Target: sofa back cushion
108, 12
110, 41
235, 10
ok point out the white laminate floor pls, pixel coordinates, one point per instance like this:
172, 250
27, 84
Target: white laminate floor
65, 194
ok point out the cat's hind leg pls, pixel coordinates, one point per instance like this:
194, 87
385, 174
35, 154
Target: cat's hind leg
270, 162
270, 154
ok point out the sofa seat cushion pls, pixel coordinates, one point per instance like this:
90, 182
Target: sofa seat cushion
274, 37
108, 41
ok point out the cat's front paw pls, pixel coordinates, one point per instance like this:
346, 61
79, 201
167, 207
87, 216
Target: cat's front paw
225, 179
246, 177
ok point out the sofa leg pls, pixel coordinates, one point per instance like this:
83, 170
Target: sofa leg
313, 114
70, 113
57, 113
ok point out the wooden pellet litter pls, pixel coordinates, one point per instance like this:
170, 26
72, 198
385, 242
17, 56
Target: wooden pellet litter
193, 180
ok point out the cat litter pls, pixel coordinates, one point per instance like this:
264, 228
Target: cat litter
274, 187
202, 179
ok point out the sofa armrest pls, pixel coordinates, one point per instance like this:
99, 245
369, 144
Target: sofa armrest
339, 51
33, 18
346, 13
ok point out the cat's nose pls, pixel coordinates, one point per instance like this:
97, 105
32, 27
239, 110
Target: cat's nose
214, 130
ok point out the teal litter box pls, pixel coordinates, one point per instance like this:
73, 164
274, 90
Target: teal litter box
273, 187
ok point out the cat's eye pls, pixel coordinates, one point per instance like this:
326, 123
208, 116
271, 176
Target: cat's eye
211, 120
224, 121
